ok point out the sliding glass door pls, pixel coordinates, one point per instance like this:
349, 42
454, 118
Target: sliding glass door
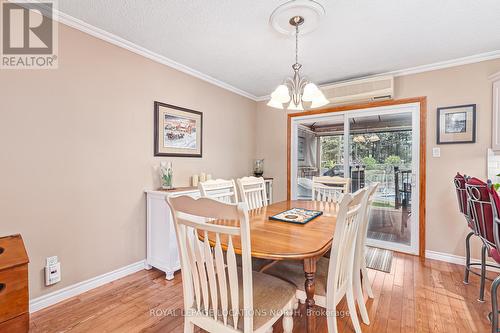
383, 149
378, 145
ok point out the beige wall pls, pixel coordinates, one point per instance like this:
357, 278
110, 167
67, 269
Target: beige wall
467, 84
76, 149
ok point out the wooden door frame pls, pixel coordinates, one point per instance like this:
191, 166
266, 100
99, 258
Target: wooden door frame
423, 141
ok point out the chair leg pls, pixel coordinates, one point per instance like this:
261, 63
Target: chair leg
352, 309
288, 318
331, 320
358, 292
188, 326
467, 257
366, 281
494, 305
483, 274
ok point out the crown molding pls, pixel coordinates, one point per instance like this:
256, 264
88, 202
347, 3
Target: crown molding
447, 64
423, 68
494, 76
128, 45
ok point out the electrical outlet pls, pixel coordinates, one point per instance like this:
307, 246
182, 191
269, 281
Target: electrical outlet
52, 274
51, 260
52, 270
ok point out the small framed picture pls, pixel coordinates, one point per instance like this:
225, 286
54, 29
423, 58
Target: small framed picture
456, 124
178, 131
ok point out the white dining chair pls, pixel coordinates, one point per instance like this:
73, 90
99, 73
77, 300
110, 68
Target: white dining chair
334, 276
361, 279
225, 191
253, 191
329, 189
219, 189
218, 295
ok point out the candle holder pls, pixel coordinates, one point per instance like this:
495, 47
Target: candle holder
258, 168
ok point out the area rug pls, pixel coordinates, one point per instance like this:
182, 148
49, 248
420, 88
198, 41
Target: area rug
379, 259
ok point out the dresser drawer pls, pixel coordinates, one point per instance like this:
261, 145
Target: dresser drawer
13, 292
18, 324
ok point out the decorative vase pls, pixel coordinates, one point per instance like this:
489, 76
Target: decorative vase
166, 174
258, 168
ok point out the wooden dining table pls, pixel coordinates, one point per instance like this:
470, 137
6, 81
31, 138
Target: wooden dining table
278, 240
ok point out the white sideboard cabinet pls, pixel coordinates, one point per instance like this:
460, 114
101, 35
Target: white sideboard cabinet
162, 252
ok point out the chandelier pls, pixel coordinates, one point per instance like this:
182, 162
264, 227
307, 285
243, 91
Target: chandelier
361, 138
297, 89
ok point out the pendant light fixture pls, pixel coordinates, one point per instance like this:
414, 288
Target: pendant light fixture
296, 90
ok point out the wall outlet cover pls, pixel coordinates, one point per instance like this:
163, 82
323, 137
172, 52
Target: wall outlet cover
436, 152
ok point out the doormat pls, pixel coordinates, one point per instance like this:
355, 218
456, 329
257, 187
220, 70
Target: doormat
379, 259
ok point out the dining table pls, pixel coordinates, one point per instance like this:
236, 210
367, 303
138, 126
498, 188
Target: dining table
278, 240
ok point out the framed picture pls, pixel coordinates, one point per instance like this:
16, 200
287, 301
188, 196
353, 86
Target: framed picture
456, 124
178, 131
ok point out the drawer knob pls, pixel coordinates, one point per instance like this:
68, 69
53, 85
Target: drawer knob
1, 250
2, 287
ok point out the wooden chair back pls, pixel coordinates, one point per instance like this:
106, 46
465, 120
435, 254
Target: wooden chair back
219, 189
363, 226
210, 278
329, 189
253, 191
341, 266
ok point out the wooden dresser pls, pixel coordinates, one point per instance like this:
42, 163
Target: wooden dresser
14, 312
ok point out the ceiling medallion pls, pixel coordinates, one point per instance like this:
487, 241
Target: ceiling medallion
297, 89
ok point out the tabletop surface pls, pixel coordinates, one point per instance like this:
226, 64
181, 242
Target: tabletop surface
282, 240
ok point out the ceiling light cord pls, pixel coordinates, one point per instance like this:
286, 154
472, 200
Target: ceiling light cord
297, 44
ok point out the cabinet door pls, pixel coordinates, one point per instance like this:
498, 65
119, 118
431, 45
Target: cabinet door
495, 131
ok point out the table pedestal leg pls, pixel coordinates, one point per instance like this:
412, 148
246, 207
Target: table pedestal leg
310, 272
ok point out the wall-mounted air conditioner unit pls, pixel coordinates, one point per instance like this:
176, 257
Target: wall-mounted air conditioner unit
370, 89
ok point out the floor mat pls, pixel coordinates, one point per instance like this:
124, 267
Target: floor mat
379, 259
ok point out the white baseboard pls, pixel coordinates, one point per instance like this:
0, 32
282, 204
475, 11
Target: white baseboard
459, 260
81, 287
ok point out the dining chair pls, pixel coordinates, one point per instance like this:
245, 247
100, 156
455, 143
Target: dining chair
334, 276
253, 191
495, 254
219, 296
361, 279
329, 189
225, 191
481, 211
219, 189
463, 207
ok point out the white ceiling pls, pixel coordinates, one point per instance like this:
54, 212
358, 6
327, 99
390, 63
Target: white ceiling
232, 41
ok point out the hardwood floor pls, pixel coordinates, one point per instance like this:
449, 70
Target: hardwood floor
415, 297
